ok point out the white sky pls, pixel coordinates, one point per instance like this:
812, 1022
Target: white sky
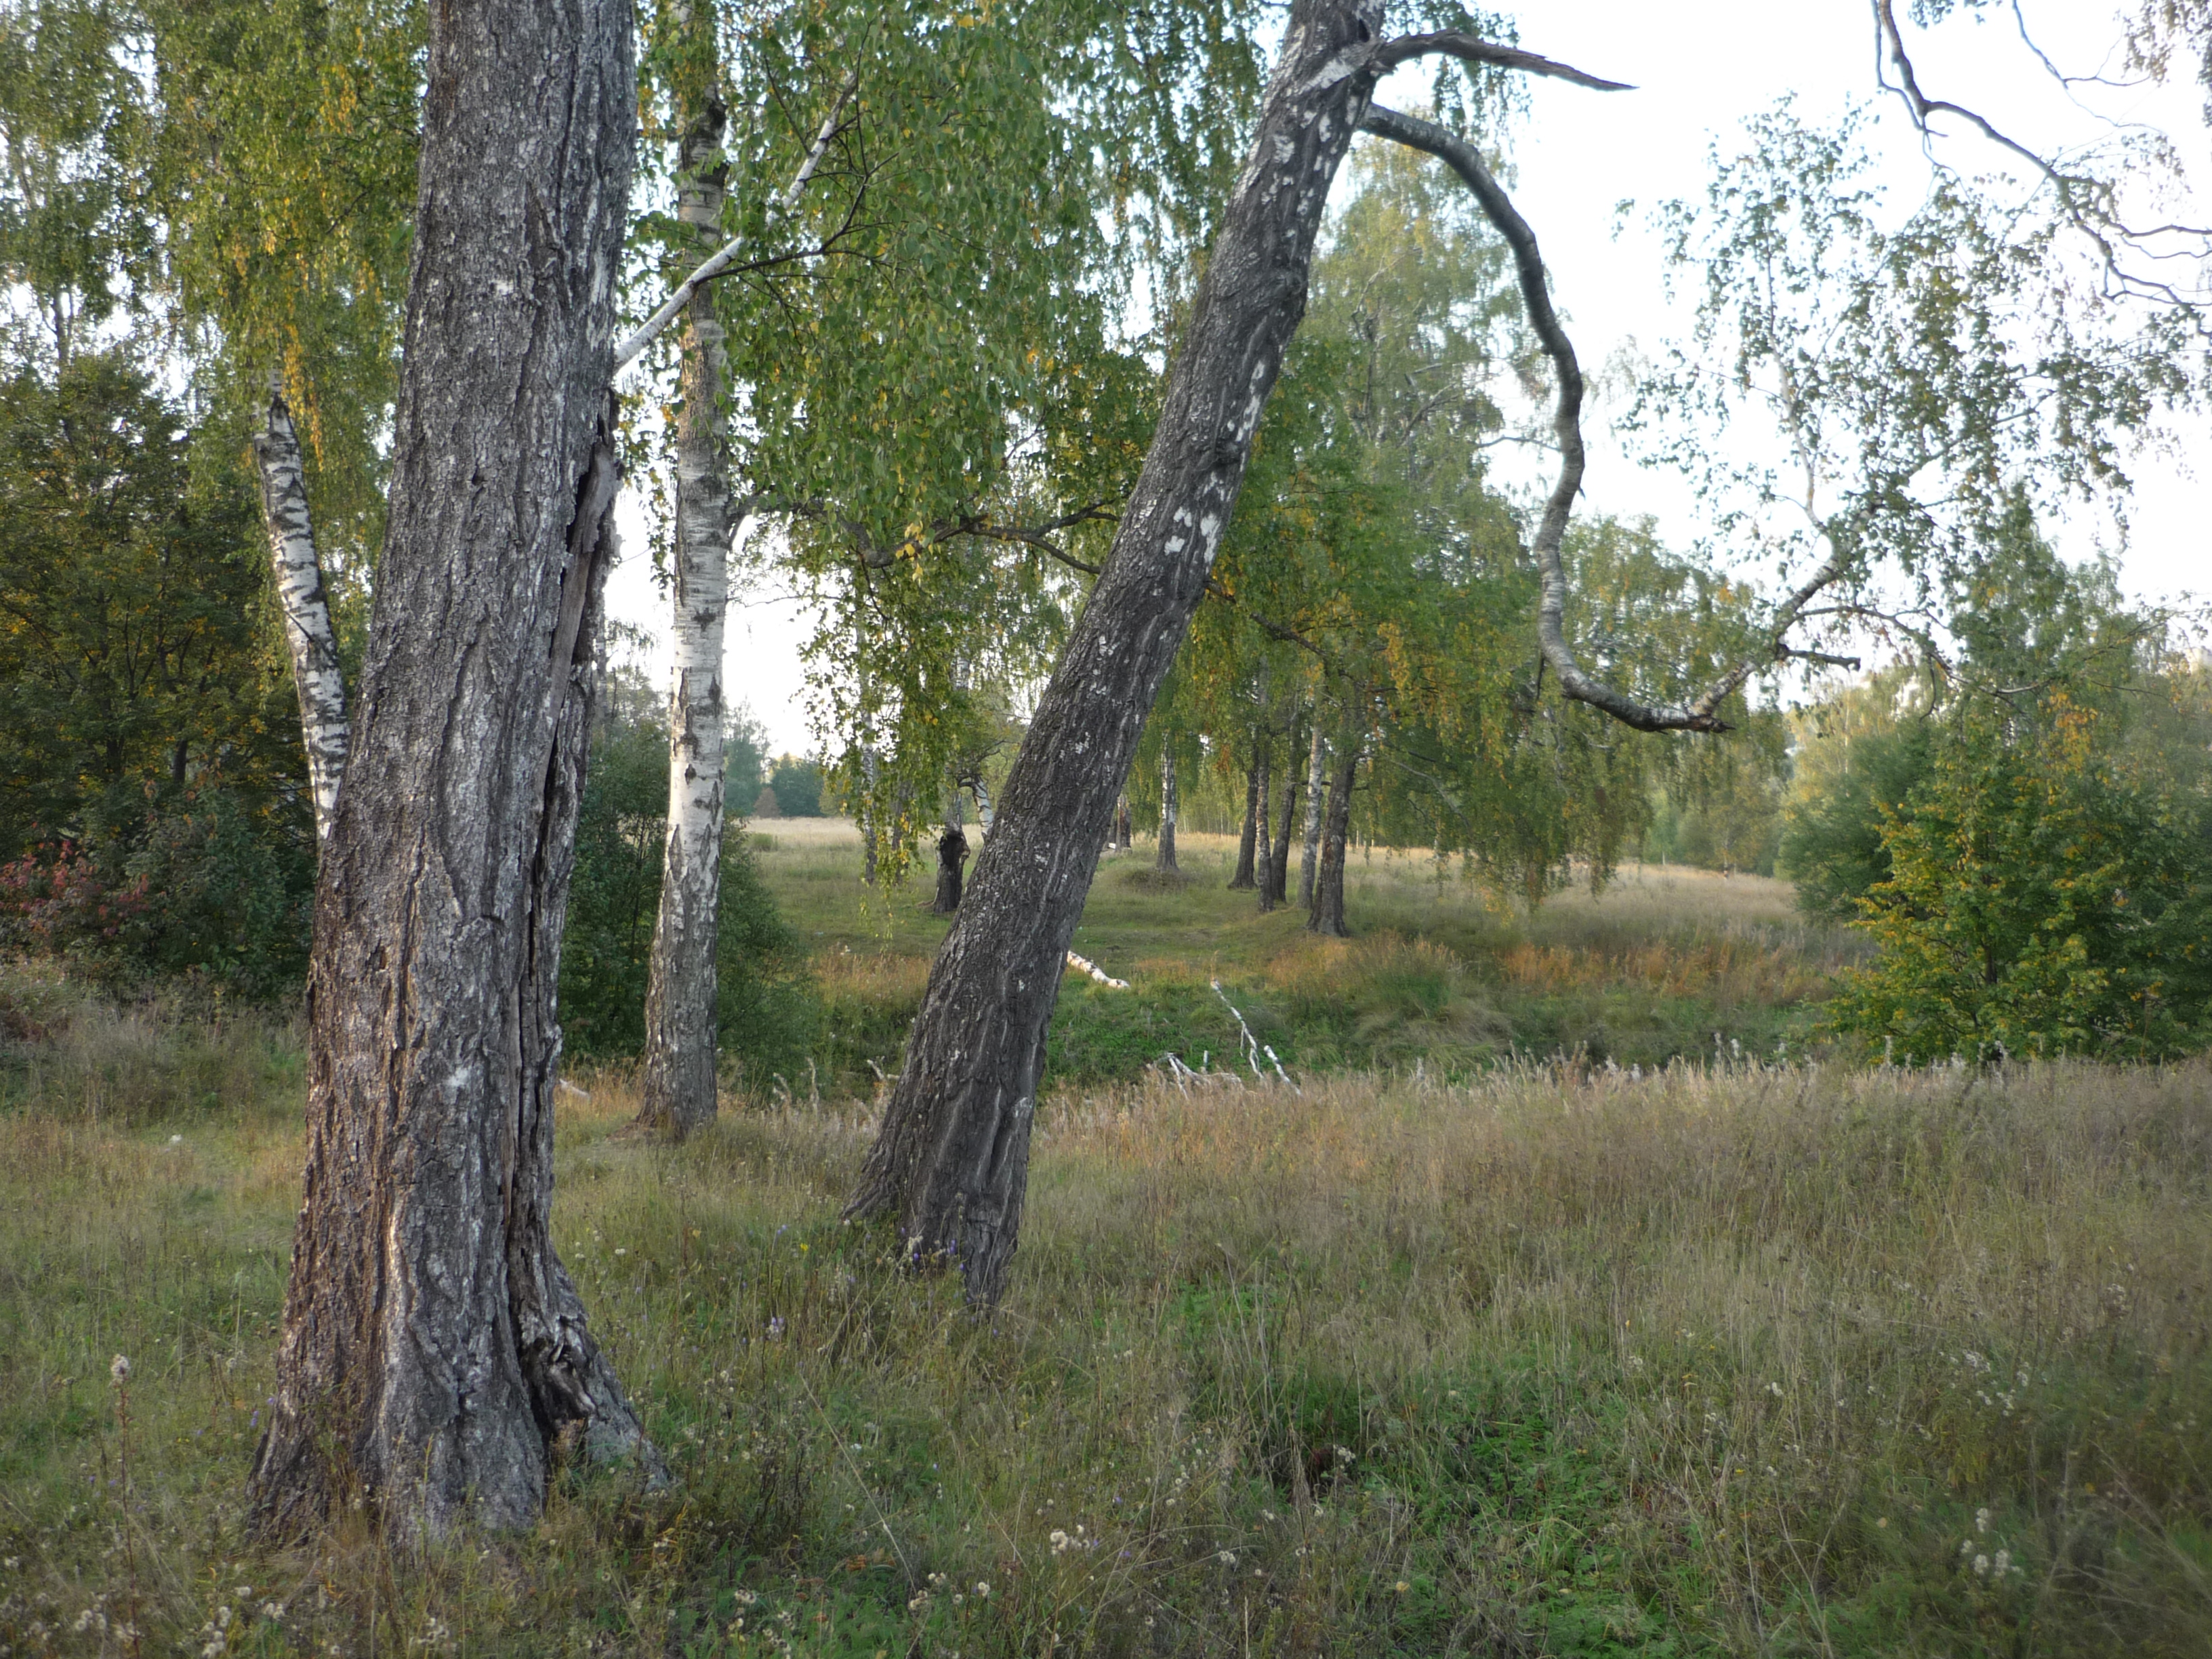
1699, 70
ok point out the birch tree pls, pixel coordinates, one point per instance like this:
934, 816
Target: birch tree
312, 643
434, 1349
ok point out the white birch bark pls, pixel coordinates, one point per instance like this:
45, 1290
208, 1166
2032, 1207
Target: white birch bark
314, 645
679, 1072
1316, 777
1168, 810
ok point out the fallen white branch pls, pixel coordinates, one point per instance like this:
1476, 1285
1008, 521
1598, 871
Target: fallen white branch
1083, 964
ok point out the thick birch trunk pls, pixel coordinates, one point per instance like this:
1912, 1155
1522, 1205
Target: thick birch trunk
434, 1351
1169, 807
316, 674
1327, 915
1314, 763
1263, 846
951, 1158
679, 1072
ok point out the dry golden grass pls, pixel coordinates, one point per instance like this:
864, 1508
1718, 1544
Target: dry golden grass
1756, 1361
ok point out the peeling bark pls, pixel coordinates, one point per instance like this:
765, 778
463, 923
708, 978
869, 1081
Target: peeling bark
951, 1161
316, 674
677, 1075
435, 1354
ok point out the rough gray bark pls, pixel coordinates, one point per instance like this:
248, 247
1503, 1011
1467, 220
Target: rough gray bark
1311, 850
1241, 876
678, 1076
434, 1351
950, 1160
298, 568
1169, 807
952, 859
1263, 845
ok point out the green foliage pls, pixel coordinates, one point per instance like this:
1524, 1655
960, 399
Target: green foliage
1879, 389
149, 747
766, 1010
1860, 753
797, 783
2048, 886
2045, 895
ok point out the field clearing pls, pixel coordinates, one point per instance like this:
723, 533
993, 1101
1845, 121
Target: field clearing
1743, 1360
1665, 962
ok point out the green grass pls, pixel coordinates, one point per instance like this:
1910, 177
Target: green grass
1666, 964
1745, 1361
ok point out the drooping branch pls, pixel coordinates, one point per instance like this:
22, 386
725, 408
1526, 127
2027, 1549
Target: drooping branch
716, 263
316, 673
2086, 201
1700, 714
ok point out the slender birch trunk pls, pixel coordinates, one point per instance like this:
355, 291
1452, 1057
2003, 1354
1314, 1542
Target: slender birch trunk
1314, 764
950, 1160
1278, 870
1241, 876
679, 1072
1263, 846
435, 1359
1327, 916
316, 674
1167, 809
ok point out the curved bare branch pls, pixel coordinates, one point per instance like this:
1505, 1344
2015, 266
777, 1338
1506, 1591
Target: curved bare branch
1473, 49
1700, 714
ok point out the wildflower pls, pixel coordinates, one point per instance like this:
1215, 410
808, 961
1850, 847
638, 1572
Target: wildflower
1059, 1540
120, 1368
1981, 1520
1228, 1558
2002, 1563
776, 1327
273, 1612
983, 1591
917, 1601
1981, 1566
1401, 1587
1775, 1388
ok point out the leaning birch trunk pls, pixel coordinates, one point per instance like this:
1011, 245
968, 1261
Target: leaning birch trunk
1168, 807
435, 1358
316, 674
950, 1160
1314, 765
1328, 917
679, 1072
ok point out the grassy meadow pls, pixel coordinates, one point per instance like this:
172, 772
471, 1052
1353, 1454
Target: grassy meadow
1667, 962
1465, 1342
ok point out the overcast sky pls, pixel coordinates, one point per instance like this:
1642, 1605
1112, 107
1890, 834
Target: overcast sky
1699, 70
